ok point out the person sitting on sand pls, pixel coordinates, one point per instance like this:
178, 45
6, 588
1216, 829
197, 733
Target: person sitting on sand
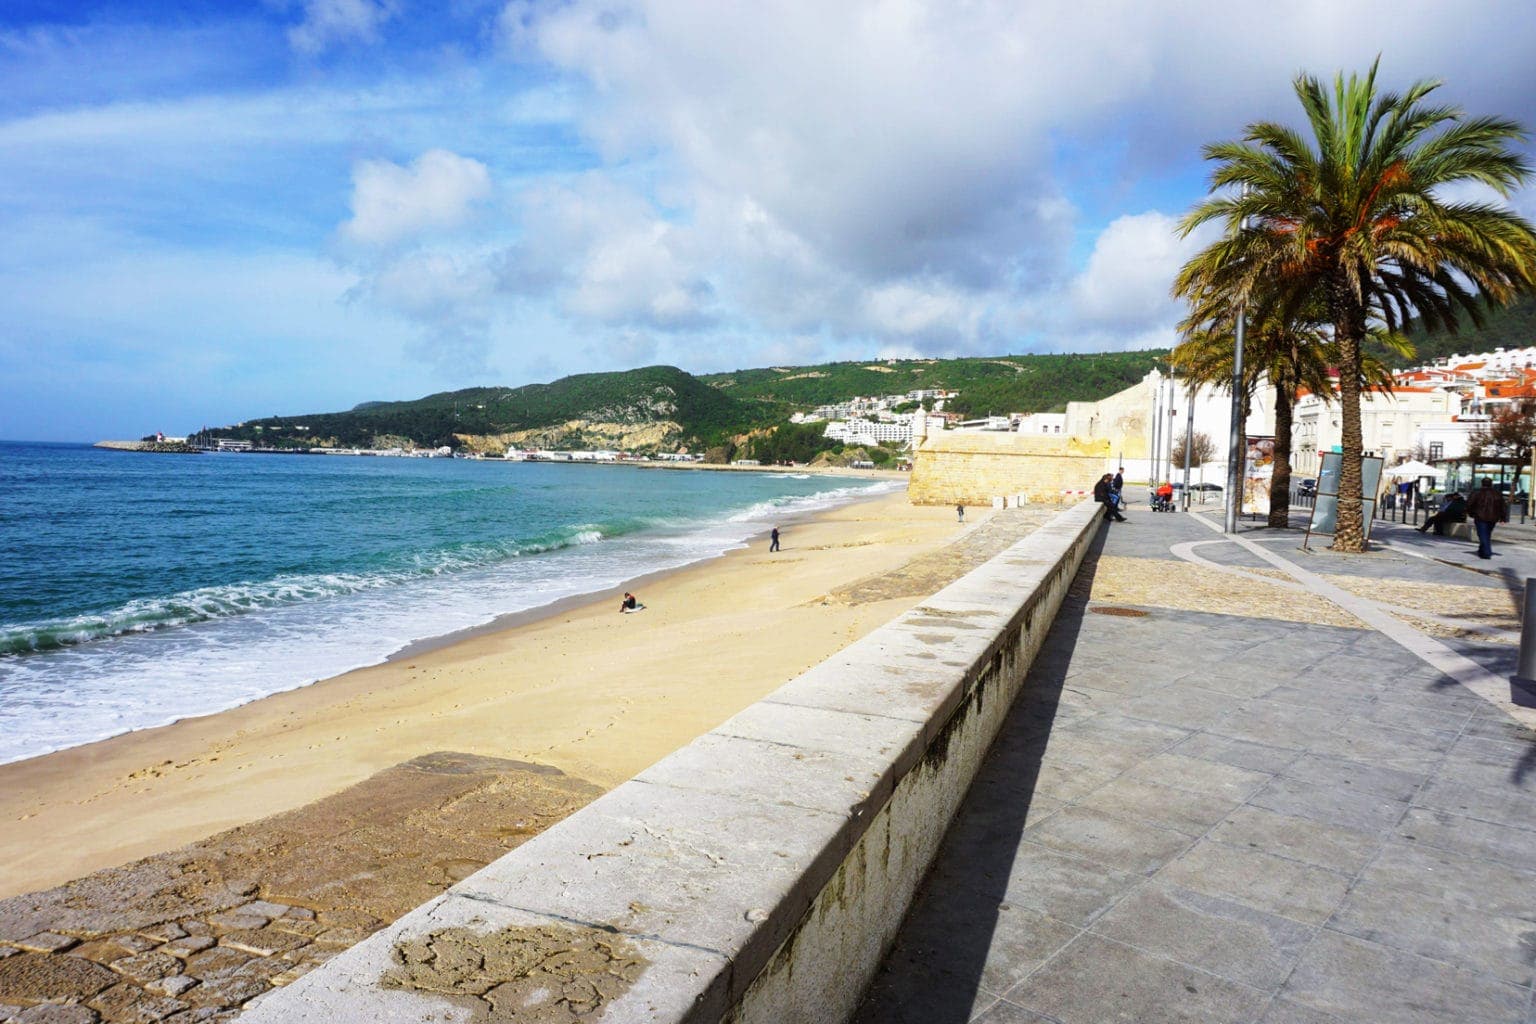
629, 604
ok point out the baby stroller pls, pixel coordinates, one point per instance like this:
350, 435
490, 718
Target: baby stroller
1162, 502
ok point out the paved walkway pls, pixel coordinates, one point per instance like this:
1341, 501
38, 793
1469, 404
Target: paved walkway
1227, 815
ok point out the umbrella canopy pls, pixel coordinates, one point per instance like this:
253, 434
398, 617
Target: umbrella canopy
1412, 469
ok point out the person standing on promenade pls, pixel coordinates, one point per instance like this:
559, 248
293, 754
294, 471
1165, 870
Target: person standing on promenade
1103, 492
960, 512
773, 540
1118, 483
1487, 508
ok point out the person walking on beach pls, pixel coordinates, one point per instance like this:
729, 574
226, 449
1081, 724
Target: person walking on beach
773, 539
1103, 492
960, 512
1487, 508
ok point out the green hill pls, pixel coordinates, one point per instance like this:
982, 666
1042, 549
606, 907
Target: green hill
630, 398
1514, 326
1003, 384
615, 409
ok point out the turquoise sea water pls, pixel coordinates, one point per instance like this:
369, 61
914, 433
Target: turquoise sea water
138, 589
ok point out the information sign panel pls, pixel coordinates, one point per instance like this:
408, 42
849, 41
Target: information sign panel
1325, 511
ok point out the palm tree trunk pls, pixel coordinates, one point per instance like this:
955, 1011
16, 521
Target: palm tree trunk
1280, 482
1349, 329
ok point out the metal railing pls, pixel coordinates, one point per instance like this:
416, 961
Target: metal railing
1413, 513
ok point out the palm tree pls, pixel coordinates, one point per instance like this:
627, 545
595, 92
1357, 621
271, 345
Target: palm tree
1292, 355
1358, 214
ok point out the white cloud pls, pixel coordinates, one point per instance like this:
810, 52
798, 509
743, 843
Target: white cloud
1126, 282
433, 284
340, 21
391, 203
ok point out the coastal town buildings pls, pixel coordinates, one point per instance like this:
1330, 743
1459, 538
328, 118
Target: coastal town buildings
1394, 425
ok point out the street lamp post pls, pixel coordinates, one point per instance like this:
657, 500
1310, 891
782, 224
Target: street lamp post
1172, 429
1235, 435
1189, 438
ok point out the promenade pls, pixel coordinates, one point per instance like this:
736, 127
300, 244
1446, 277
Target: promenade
1247, 783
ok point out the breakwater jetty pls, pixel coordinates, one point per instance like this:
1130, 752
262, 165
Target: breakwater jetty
157, 447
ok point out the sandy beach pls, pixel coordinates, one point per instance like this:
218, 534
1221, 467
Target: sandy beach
586, 690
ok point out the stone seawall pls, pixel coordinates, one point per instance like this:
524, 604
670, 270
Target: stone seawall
756, 875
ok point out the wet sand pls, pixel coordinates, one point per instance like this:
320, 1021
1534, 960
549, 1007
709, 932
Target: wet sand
596, 694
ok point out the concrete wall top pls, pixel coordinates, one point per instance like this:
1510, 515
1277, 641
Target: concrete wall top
664, 899
1014, 443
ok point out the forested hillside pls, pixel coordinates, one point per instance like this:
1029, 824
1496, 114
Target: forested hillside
679, 410
999, 385
1511, 327
593, 409
701, 415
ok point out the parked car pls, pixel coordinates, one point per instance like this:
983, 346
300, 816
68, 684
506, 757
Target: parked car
1307, 488
1178, 485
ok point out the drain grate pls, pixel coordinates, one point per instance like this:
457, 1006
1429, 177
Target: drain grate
1130, 613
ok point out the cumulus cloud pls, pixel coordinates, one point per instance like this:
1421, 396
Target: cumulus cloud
391, 203
607, 256
1126, 281
327, 22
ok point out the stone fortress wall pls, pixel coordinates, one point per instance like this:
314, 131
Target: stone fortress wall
760, 873
974, 467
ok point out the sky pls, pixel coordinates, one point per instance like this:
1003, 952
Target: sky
212, 210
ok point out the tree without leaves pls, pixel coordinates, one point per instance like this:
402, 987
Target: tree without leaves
1511, 434
1202, 448
1356, 214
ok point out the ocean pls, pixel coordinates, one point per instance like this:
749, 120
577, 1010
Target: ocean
139, 589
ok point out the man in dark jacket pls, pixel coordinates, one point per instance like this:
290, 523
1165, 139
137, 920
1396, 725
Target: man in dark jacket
1454, 510
1104, 493
1487, 508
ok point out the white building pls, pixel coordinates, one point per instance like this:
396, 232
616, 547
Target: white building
1126, 420
869, 432
1392, 425
1043, 423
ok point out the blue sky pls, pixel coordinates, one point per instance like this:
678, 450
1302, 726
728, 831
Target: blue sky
215, 211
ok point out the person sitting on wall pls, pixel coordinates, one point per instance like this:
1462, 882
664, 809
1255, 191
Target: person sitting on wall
1104, 494
1454, 510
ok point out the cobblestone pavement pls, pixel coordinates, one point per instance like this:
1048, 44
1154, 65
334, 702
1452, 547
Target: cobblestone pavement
192, 935
1215, 816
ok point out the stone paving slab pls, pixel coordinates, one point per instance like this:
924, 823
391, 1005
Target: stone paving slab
1219, 817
